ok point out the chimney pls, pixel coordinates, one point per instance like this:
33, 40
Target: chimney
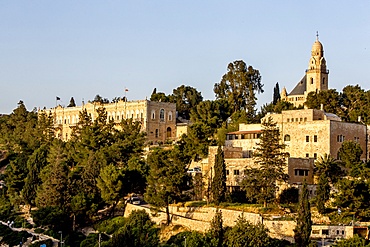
322, 107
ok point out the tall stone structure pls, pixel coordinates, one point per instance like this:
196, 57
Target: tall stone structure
315, 79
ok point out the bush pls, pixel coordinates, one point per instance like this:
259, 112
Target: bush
111, 225
39, 230
12, 238
289, 195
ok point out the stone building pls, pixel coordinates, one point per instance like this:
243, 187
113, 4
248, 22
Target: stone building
316, 77
307, 134
158, 118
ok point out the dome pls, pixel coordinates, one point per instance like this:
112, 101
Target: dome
317, 46
317, 49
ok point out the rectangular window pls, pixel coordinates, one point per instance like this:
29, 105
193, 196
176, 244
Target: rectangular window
325, 232
315, 231
227, 172
307, 155
236, 172
315, 155
288, 120
307, 138
156, 133
315, 138
301, 172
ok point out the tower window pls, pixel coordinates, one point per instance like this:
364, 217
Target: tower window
323, 81
161, 114
311, 80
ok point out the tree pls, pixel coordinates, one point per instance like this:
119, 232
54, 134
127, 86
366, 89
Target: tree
138, 231
72, 102
303, 229
217, 231
186, 98
167, 178
270, 157
354, 101
245, 234
219, 179
354, 241
276, 95
328, 167
329, 99
350, 155
239, 86
110, 183
159, 97
53, 190
36, 162
322, 193
101, 100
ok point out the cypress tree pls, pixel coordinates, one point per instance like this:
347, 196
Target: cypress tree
323, 192
219, 180
303, 229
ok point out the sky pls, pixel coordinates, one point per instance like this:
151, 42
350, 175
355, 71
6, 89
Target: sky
83, 48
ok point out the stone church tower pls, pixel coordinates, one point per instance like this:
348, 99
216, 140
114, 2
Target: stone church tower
315, 79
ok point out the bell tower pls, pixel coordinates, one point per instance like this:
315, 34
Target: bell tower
317, 75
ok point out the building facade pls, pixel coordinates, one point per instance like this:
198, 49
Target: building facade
158, 119
316, 77
307, 134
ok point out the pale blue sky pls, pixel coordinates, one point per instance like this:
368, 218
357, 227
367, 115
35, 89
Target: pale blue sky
83, 48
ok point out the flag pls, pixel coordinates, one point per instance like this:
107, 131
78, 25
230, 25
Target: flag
58, 98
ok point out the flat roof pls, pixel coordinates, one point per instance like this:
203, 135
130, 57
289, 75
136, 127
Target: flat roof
244, 132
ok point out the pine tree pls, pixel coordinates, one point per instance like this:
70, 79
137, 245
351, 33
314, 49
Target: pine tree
219, 180
271, 159
303, 229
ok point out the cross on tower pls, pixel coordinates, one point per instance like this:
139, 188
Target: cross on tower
317, 35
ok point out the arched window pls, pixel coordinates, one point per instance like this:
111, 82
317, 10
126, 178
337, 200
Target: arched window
323, 81
153, 114
168, 132
170, 116
161, 114
311, 80
287, 138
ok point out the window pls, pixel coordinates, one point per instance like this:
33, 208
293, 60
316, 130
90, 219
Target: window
307, 155
315, 155
315, 138
325, 232
323, 81
288, 120
305, 119
311, 80
153, 114
301, 119
307, 138
292, 119
315, 231
170, 116
236, 172
156, 133
287, 138
340, 138
357, 139
168, 132
161, 114
300, 172
227, 172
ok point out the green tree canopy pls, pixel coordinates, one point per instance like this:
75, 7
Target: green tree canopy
239, 86
167, 178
